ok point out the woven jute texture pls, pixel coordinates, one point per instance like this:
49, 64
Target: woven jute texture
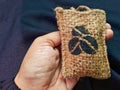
83, 42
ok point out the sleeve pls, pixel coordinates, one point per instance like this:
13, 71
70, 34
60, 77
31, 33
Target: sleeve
8, 85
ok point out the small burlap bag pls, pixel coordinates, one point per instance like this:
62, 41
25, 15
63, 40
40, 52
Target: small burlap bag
83, 42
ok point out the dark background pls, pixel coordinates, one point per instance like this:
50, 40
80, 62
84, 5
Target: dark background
21, 21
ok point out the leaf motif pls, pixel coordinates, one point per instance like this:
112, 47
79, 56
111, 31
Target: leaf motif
92, 41
82, 29
81, 42
87, 48
76, 51
74, 46
75, 33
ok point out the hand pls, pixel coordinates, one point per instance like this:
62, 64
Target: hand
40, 69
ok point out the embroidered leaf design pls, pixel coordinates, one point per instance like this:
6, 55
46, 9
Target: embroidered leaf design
92, 41
74, 46
82, 41
75, 33
87, 48
82, 29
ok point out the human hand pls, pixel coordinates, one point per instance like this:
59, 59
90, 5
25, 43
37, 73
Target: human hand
40, 69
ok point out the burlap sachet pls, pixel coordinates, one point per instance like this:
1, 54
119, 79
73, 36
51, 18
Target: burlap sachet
83, 42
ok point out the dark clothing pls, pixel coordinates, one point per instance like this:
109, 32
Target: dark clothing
38, 18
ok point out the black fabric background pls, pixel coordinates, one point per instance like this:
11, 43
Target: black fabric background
22, 21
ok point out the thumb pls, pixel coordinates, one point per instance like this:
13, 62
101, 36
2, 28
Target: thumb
52, 39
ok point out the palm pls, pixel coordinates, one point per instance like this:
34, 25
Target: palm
51, 68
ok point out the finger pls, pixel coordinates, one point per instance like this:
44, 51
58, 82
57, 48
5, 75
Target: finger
109, 34
71, 83
52, 39
108, 26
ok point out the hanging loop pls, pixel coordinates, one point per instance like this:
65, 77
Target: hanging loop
83, 8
